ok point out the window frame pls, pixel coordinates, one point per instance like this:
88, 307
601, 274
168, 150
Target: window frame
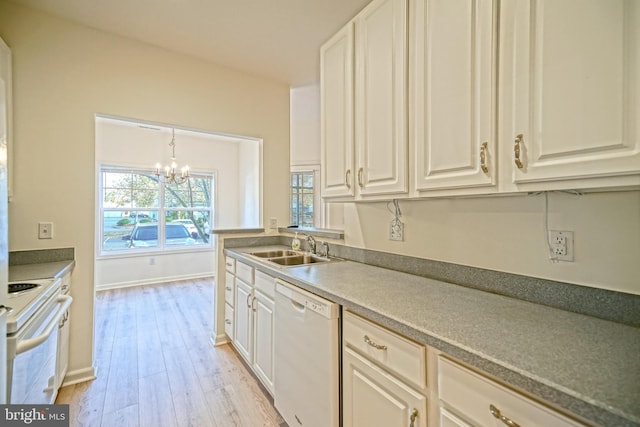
317, 202
161, 209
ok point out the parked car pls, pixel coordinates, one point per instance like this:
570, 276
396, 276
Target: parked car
193, 230
138, 215
146, 235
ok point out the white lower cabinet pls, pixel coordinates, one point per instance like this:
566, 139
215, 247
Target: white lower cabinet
447, 419
377, 376
373, 397
467, 395
62, 358
251, 320
263, 320
243, 320
229, 317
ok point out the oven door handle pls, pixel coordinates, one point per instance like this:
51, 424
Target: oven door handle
30, 343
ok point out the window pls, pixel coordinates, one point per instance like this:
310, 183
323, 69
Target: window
138, 212
302, 199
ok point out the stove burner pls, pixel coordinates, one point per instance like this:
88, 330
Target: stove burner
20, 287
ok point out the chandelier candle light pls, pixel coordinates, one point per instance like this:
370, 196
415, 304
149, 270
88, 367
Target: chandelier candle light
170, 172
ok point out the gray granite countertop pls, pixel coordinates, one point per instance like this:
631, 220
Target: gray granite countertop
587, 366
43, 270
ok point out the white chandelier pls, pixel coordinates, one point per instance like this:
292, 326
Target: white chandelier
170, 173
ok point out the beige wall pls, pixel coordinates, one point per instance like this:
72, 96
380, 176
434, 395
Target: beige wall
507, 234
63, 75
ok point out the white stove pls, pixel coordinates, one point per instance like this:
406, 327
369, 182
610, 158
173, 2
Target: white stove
32, 338
25, 303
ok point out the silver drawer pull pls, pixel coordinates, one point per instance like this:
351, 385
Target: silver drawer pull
228, 288
496, 413
373, 344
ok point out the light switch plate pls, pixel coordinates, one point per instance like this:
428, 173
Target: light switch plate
45, 230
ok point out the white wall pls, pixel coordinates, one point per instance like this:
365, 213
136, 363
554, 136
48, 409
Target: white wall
305, 125
66, 73
507, 234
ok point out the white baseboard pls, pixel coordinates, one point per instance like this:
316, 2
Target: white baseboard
79, 376
153, 281
219, 339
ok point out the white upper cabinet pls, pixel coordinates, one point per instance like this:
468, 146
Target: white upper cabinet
454, 114
381, 98
336, 100
364, 105
570, 91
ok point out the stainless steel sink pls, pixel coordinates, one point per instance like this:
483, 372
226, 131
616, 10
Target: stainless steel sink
290, 258
299, 260
274, 254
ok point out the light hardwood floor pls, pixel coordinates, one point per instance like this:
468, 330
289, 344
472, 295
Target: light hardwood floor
156, 365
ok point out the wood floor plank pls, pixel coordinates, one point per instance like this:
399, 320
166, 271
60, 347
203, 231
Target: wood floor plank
188, 398
156, 365
124, 417
122, 385
156, 409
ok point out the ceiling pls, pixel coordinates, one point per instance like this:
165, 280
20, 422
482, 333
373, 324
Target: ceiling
277, 39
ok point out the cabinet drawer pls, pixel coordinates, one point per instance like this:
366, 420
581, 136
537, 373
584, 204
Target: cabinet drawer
395, 353
229, 283
66, 283
230, 265
471, 395
228, 320
266, 284
244, 272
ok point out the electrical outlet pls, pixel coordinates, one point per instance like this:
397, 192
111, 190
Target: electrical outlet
561, 243
45, 230
273, 223
396, 230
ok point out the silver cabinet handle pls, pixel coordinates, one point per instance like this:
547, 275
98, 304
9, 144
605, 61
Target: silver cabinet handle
373, 344
360, 184
227, 321
483, 157
496, 413
347, 178
229, 264
516, 150
414, 415
252, 305
248, 300
228, 288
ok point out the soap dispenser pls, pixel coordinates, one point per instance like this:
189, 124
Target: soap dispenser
295, 243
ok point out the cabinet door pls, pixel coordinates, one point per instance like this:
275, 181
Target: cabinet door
263, 339
336, 92
243, 325
228, 289
455, 109
374, 398
62, 358
447, 419
571, 88
229, 318
381, 98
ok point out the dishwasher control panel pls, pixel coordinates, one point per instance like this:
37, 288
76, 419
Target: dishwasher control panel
318, 307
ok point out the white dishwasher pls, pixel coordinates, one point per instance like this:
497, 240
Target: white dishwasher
307, 358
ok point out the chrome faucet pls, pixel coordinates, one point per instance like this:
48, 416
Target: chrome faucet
311, 243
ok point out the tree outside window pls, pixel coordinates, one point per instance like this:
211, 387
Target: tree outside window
139, 212
302, 199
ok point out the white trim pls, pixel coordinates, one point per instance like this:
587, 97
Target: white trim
155, 281
218, 340
79, 376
